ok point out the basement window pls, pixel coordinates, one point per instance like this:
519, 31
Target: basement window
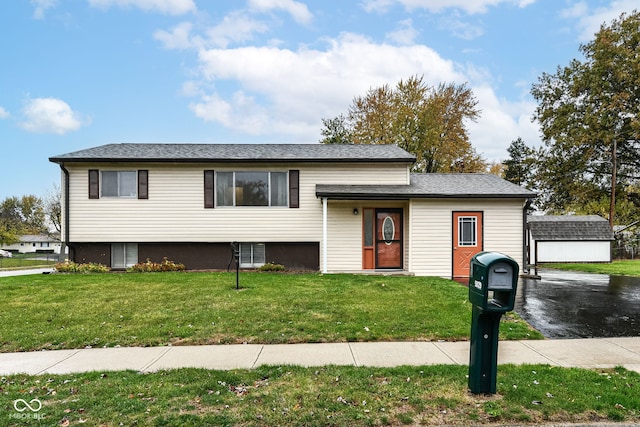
252, 255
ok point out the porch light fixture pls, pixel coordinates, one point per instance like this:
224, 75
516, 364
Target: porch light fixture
355, 211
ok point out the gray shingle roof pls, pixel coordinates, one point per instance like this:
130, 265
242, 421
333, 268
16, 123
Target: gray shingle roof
431, 185
130, 152
569, 227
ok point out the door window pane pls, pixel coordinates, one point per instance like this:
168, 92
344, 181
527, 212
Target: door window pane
467, 231
368, 227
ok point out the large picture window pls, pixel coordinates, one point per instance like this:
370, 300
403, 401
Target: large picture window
251, 189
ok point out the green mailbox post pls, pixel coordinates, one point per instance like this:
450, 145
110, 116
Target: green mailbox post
492, 292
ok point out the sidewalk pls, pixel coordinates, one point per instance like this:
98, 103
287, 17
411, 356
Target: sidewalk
582, 353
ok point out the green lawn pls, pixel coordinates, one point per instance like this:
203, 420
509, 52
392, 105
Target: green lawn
71, 311
623, 267
60, 311
328, 396
29, 260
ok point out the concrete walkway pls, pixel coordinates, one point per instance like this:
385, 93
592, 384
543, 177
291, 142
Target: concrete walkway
583, 353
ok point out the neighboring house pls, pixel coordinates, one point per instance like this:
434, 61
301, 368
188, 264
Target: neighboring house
569, 238
42, 243
333, 208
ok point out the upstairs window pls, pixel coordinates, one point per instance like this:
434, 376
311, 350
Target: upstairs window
251, 189
118, 184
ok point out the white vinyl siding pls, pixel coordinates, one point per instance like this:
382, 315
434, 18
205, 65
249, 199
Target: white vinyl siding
174, 210
345, 233
431, 231
567, 251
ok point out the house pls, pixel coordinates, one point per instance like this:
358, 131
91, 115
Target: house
568, 238
333, 208
40, 243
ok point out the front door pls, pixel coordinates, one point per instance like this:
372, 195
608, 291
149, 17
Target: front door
388, 238
467, 240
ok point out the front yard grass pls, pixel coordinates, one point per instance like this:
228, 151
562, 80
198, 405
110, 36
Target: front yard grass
64, 311
621, 267
326, 396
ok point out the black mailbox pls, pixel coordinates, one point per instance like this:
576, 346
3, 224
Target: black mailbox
493, 282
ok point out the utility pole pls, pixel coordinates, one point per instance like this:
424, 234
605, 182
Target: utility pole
614, 178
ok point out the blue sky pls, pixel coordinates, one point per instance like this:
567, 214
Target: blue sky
81, 73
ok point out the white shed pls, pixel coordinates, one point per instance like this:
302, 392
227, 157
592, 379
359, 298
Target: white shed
568, 238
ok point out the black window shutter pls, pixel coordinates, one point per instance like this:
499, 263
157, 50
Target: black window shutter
143, 184
94, 184
294, 188
209, 201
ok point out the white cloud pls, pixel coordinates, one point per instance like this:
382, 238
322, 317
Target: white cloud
461, 29
500, 123
50, 115
298, 11
589, 21
41, 7
178, 38
281, 91
169, 7
237, 27
405, 35
469, 6
4, 113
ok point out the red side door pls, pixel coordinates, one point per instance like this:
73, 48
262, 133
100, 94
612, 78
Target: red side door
467, 240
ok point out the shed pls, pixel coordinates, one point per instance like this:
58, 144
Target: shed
568, 238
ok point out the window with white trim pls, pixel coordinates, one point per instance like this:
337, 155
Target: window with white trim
252, 189
252, 255
467, 231
124, 255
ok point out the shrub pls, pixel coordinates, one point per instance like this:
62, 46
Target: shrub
270, 266
72, 267
150, 266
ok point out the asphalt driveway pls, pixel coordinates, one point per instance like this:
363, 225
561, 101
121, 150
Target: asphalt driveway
567, 304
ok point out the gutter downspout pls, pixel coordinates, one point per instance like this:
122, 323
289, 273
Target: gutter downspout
325, 235
65, 238
525, 251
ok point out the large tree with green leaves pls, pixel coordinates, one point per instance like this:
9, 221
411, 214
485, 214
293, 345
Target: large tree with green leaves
428, 122
589, 117
520, 167
24, 215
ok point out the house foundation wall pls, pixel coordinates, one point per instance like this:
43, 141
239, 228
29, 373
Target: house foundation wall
204, 256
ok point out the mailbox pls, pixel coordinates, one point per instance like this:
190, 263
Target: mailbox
492, 291
493, 282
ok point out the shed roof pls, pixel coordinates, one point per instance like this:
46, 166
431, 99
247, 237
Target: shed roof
430, 185
569, 228
142, 152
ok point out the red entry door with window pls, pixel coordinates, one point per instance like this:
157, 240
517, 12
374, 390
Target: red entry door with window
467, 240
382, 239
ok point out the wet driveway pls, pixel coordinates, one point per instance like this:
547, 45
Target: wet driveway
567, 304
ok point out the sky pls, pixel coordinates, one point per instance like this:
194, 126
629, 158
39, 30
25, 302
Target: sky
76, 74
